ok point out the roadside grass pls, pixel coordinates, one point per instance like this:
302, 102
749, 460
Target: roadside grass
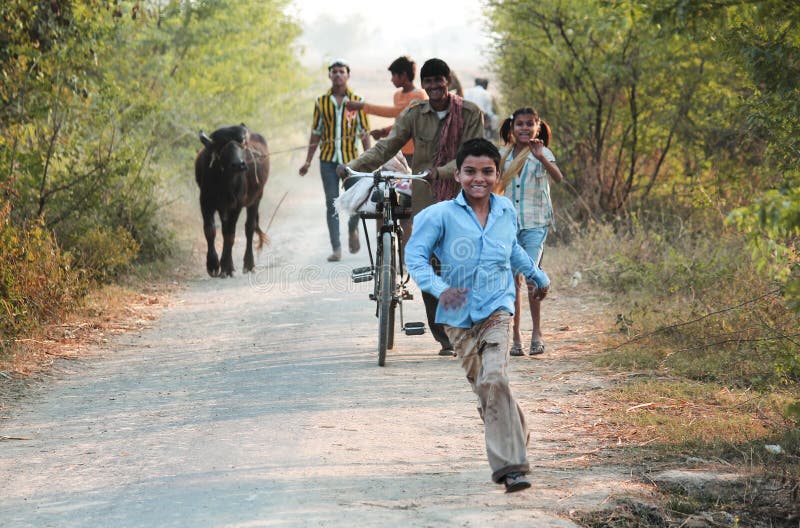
59, 308
105, 310
709, 355
679, 415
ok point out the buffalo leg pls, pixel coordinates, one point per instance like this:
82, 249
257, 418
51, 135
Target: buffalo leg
210, 231
228, 236
250, 228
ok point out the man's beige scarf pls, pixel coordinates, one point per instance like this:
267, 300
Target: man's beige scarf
513, 171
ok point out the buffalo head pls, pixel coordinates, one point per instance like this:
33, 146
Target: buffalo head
227, 147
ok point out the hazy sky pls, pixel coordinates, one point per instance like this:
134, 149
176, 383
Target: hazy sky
373, 33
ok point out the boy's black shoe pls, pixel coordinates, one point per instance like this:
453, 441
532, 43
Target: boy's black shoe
516, 482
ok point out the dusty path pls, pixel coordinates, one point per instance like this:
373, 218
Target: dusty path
257, 401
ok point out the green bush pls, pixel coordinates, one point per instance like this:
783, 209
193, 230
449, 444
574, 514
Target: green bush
37, 279
104, 252
691, 301
140, 209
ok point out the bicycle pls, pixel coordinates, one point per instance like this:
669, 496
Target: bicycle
386, 267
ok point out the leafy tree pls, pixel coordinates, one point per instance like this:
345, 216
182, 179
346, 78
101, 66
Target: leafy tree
100, 103
633, 108
98, 91
213, 63
762, 38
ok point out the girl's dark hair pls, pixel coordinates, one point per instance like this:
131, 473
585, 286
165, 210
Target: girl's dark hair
405, 65
545, 134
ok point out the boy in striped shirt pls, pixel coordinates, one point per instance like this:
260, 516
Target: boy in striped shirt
335, 130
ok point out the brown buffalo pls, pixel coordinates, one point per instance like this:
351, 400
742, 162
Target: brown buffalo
231, 171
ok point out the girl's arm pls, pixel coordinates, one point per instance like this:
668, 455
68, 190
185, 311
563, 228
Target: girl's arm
552, 169
537, 149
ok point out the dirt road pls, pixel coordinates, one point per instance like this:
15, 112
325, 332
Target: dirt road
257, 401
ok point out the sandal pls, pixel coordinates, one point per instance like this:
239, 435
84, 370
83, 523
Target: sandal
516, 350
537, 347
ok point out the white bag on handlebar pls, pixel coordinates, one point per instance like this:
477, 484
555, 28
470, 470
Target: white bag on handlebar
358, 198
355, 199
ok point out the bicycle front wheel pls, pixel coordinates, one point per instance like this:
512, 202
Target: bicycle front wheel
387, 276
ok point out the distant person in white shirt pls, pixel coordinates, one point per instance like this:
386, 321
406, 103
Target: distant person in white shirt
481, 97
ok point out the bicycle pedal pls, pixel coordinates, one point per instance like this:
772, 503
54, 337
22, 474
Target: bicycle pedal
414, 328
361, 274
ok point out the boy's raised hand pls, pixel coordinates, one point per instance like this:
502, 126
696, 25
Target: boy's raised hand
453, 298
538, 293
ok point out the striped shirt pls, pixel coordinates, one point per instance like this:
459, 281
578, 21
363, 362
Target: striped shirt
338, 127
530, 192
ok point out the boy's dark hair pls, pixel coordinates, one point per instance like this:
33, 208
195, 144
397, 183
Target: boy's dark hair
478, 147
433, 68
405, 65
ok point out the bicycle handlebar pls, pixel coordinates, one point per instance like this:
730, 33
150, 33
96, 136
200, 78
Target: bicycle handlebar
386, 174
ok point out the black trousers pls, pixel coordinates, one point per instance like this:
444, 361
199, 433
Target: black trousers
431, 303
437, 329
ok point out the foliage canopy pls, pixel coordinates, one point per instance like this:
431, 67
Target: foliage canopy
100, 98
688, 106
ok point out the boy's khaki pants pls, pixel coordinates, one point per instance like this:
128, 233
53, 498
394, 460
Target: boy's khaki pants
483, 350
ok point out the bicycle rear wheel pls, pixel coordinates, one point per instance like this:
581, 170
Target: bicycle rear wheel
386, 306
395, 297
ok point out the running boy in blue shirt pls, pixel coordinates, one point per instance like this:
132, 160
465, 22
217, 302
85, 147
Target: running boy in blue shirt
474, 236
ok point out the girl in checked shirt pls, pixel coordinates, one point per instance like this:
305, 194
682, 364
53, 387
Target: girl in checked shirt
527, 166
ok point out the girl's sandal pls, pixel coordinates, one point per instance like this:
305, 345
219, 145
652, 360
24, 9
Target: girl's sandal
537, 347
516, 350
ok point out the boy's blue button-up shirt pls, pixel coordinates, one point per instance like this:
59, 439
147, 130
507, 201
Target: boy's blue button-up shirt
481, 259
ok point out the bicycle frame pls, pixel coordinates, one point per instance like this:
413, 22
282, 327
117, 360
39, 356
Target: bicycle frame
387, 265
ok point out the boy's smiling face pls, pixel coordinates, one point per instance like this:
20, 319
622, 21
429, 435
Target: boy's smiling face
477, 176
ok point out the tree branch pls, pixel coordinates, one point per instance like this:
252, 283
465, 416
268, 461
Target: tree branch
734, 340
50, 149
71, 184
706, 316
